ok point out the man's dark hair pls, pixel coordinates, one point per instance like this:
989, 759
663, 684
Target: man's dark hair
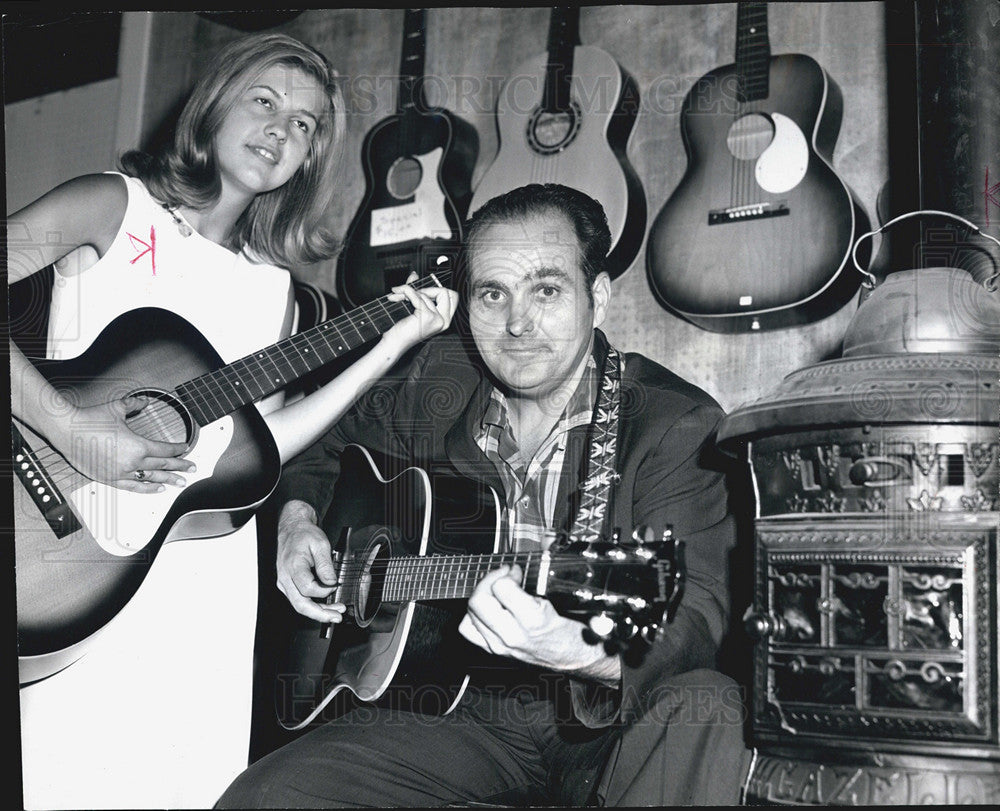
582, 211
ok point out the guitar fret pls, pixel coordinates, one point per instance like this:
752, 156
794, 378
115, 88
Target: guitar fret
392, 586
256, 370
411, 91
323, 351
238, 382
753, 51
223, 391
447, 576
297, 357
456, 573
343, 345
526, 578
261, 391
223, 381
210, 391
187, 394
220, 392
288, 359
265, 360
358, 325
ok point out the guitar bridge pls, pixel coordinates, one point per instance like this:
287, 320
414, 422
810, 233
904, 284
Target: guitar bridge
36, 481
751, 211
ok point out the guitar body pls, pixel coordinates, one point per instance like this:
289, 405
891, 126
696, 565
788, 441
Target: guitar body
418, 169
584, 149
758, 233
413, 645
78, 564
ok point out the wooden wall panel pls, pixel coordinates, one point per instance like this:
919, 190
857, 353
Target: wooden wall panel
470, 51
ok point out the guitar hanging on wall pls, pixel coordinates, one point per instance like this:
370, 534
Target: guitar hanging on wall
759, 232
418, 170
564, 117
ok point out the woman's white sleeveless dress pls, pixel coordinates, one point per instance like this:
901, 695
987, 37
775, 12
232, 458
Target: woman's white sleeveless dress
156, 714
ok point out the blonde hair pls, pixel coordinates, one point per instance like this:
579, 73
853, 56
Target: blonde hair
284, 226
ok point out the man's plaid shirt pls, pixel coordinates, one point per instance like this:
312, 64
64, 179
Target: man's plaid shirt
532, 485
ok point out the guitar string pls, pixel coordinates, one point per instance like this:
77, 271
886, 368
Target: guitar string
476, 568
355, 319
545, 168
60, 472
753, 24
367, 314
169, 422
358, 567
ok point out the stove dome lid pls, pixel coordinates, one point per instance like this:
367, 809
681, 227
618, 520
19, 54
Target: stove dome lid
923, 347
937, 309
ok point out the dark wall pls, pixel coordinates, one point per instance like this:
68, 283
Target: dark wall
470, 51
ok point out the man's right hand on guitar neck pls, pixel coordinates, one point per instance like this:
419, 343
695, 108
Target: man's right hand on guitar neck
305, 566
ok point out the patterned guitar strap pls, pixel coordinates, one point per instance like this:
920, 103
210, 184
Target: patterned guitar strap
601, 475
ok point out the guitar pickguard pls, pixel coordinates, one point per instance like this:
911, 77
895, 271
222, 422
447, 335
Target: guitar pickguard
784, 163
424, 217
108, 511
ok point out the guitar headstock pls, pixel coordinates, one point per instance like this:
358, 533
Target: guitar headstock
624, 590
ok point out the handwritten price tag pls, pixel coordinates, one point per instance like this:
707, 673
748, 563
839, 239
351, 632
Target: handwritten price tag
398, 224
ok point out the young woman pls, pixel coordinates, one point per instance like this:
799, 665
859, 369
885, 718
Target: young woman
157, 712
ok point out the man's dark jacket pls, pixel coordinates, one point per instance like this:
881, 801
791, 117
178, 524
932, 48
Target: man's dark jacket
427, 414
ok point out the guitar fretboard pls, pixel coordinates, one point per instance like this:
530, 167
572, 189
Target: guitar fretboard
564, 36
411, 68
222, 391
445, 577
753, 51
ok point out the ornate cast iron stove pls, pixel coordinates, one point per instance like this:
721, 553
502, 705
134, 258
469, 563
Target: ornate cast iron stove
875, 607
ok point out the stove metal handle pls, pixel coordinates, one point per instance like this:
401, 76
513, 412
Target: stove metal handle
877, 470
870, 281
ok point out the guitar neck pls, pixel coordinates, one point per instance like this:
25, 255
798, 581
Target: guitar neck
564, 36
753, 52
442, 577
224, 390
411, 67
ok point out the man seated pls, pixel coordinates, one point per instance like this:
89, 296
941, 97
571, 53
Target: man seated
527, 396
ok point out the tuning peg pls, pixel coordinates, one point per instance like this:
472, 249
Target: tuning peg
626, 629
602, 624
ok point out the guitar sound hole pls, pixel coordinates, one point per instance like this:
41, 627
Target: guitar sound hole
403, 177
749, 136
368, 589
160, 416
551, 132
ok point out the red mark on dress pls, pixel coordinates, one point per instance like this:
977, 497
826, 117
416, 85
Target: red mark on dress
144, 247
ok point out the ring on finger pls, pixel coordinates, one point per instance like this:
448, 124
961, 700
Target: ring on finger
140, 475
